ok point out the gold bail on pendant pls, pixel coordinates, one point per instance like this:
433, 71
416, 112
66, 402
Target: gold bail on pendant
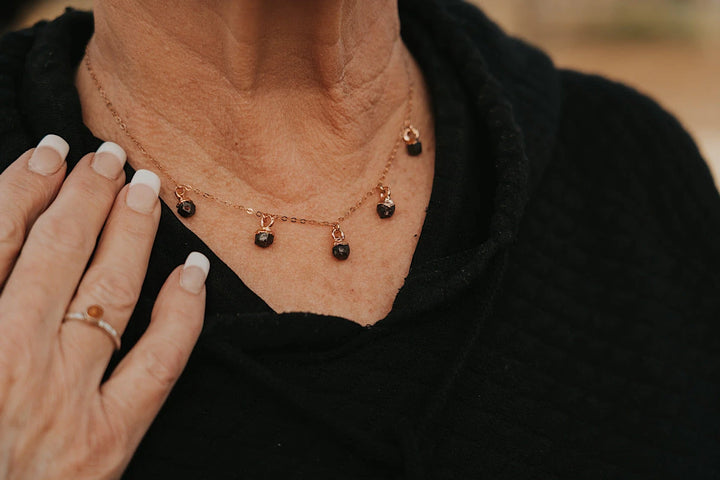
185, 207
265, 237
340, 250
386, 206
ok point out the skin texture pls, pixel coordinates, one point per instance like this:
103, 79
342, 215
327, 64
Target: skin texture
57, 420
283, 106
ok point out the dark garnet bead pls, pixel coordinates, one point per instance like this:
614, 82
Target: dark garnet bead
186, 208
414, 149
264, 239
341, 251
385, 211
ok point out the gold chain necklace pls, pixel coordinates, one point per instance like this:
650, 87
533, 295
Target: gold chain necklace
264, 237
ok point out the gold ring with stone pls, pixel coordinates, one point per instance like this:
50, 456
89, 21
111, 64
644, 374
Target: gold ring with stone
94, 316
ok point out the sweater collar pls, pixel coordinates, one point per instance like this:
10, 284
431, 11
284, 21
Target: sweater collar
514, 93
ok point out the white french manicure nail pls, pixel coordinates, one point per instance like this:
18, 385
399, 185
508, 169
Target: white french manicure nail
194, 272
143, 192
109, 160
49, 155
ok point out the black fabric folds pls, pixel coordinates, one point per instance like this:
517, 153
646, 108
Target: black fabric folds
571, 331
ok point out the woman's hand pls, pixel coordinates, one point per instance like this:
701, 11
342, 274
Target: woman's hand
57, 420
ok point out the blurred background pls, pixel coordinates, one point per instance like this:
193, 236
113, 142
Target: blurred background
669, 49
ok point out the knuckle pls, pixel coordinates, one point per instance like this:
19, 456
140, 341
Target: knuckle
88, 187
64, 234
12, 233
116, 290
19, 364
164, 369
16, 351
141, 232
32, 190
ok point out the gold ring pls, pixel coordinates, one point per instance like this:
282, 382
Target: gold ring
93, 316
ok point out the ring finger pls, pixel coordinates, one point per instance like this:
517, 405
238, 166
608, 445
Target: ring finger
115, 276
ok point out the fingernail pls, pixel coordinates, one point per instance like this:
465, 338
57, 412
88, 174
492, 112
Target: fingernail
194, 272
109, 160
49, 155
143, 192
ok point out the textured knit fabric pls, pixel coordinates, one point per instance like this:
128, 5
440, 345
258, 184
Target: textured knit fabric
561, 317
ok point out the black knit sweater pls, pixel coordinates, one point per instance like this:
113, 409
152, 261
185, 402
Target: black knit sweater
561, 318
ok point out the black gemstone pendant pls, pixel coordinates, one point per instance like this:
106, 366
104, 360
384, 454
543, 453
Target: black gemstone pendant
264, 239
186, 208
411, 136
386, 207
341, 251
414, 149
385, 211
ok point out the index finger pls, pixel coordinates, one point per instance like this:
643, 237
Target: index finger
28, 186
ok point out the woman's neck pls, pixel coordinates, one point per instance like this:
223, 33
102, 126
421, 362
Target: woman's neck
273, 92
